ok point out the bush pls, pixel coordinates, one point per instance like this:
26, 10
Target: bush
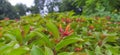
59, 34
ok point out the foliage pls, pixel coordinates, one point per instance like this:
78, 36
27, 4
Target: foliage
90, 6
67, 5
47, 6
33, 10
7, 10
52, 35
21, 9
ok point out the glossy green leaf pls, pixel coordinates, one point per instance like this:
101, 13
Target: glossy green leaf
79, 53
26, 29
17, 33
48, 51
108, 52
112, 38
36, 51
5, 49
98, 51
45, 38
29, 36
12, 37
52, 28
64, 43
18, 51
112, 50
89, 52
66, 53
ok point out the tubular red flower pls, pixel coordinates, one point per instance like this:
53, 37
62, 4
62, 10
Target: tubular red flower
68, 31
60, 28
67, 28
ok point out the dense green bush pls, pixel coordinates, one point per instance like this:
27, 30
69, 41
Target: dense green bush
60, 34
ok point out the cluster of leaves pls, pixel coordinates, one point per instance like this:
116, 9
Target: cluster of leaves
91, 6
7, 10
10, 11
60, 35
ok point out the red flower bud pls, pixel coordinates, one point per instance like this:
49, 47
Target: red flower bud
78, 49
91, 27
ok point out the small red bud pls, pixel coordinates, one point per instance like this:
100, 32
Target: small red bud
78, 49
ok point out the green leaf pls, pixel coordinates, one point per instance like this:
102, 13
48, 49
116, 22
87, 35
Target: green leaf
114, 50
108, 52
79, 53
89, 52
66, 53
36, 51
18, 51
48, 51
7, 48
12, 37
97, 50
45, 39
112, 38
66, 42
17, 33
52, 28
29, 36
4, 48
26, 29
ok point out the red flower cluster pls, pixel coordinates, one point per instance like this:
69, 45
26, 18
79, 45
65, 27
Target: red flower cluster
66, 20
108, 17
0, 27
91, 27
68, 31
31, 28
77, 49
79, 20
16, 19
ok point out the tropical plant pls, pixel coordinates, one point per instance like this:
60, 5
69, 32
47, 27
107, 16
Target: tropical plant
62, 35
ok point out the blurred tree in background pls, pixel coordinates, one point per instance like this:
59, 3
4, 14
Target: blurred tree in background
21, 9
68, 5
80, 7
47, 6
7, 10
53, 5
33, 10
93, 6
